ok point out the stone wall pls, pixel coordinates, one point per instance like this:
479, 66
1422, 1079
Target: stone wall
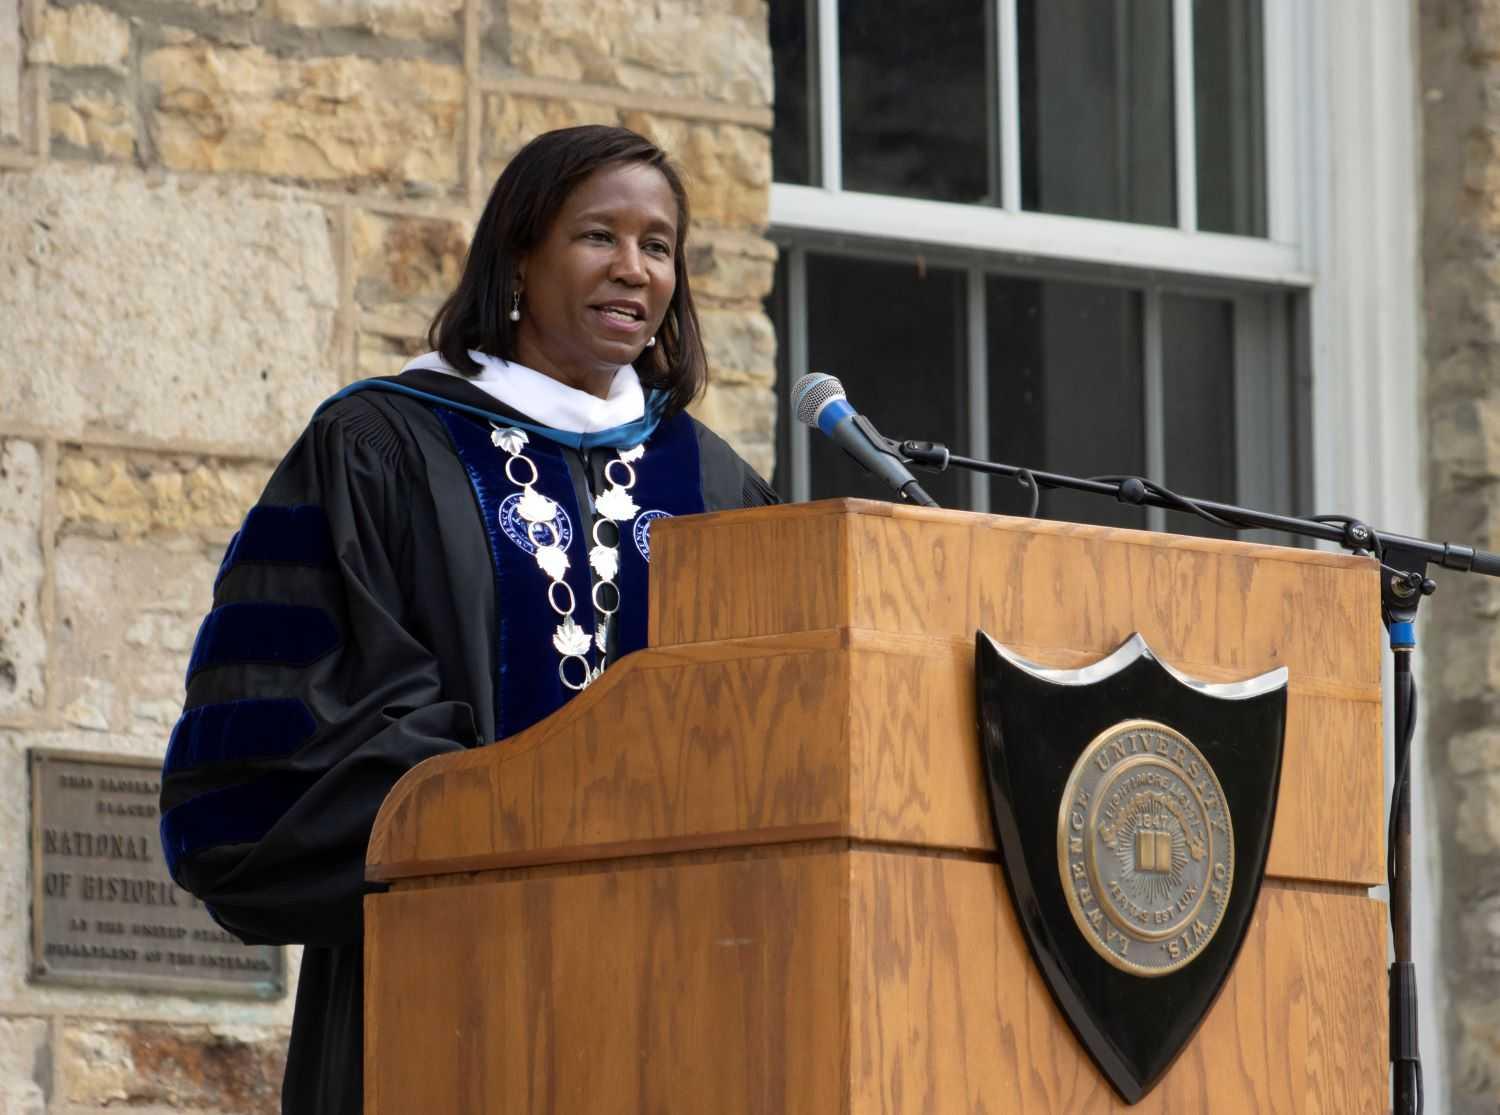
213, 213
1460, 67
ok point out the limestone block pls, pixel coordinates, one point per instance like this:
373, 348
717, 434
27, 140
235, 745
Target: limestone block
713, 49
1465, 441
393, 122
1472, 675
109, 493
404, 267
22, 1098
23, 648
1476, 751
745, 416
25, 1071
741, 346
1478, 1054
730, 266
10, 72
726, 167
383, 353
399, 19
86, 35
126, 618
1479, 930
227, 7
1478, 823
404, 324
99, 123
1469, 337
1477, 203
15, 923
190, 311
202, 1068
510, 121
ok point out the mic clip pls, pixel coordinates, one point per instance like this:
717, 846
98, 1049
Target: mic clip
928, 454
889, 446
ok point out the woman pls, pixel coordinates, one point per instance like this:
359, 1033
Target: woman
443, 559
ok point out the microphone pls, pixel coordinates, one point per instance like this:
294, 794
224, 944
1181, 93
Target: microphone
820, 402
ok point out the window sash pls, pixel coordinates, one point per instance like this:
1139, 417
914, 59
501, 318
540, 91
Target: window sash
1283, 258
1261, 377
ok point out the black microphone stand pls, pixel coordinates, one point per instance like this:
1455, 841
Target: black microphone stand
1403, 585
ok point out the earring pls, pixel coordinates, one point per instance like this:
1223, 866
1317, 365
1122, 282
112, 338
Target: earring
651, 343
515, 306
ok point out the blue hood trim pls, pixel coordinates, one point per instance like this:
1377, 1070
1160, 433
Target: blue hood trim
616, 437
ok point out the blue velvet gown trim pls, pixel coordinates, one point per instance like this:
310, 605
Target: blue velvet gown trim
280, 535
257, 631
237, 731
234, 815
616, 437
668, 482
528, 687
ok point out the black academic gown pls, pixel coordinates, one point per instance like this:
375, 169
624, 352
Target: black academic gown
369, 578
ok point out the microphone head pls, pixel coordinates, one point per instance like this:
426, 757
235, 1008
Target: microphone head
812, 393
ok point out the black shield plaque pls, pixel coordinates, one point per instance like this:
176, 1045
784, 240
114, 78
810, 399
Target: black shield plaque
1133, 808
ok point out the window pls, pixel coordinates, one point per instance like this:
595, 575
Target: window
1049, 232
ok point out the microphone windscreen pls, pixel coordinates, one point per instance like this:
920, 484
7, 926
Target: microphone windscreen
812, 392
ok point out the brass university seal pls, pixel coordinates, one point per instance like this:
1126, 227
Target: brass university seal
1145, 847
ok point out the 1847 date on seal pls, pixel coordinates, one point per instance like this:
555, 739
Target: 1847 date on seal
1145, 847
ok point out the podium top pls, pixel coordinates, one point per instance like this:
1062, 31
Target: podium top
1227, 609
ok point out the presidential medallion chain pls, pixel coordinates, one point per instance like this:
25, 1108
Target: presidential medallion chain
540, 514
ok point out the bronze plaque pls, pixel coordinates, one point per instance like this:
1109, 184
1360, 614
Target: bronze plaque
104, 910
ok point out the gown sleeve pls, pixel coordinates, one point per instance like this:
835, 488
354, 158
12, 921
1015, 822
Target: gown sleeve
727, 478
309, 690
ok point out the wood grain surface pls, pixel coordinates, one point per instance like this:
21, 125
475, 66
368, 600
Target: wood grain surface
952, 1016
824, 980
851, 733
717, 987
1201, 603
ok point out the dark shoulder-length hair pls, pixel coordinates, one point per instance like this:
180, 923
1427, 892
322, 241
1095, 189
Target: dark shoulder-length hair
517, 217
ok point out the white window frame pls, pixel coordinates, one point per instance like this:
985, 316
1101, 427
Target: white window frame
1280, 259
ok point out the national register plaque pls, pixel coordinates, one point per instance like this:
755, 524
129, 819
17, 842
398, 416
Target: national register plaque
104, 910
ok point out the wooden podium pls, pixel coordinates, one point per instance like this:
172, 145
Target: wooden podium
751, 870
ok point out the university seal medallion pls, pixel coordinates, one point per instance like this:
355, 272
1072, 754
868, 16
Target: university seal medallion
1145, 847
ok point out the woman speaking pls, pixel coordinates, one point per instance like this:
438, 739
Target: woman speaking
444, 558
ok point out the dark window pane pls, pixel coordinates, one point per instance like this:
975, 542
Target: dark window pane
1065, 391
1229, 82
893, 333
1097, 135
794, 61
777, 310
1198, 405
915, 96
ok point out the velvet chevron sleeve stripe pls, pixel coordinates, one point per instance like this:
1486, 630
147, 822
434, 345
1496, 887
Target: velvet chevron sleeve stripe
240, 814
238, 731
280, 536
263, 632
